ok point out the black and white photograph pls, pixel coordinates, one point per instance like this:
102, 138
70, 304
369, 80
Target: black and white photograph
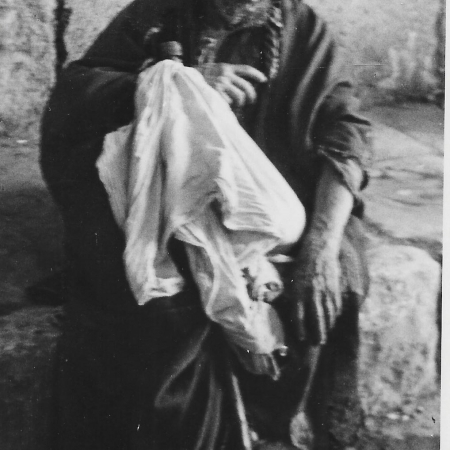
222, 225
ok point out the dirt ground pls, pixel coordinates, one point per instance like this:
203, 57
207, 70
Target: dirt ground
30, 230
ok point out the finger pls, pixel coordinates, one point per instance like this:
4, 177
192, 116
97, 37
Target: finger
300, 319
245, 86
337, 305
329, 307
315, 318
249, 72
338, 301
298, 294
237, 96
321, 337
226, 97
220, 88
335, 300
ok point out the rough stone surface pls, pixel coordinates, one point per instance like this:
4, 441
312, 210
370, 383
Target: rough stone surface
87, 20
27, 355
27, 61
31, 244
440, 51
391, 43
399, 334
404, 197
422, 122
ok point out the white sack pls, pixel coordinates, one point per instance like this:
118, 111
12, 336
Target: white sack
186, 168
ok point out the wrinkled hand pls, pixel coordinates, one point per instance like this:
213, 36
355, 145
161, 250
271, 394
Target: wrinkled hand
316, 294
233, 81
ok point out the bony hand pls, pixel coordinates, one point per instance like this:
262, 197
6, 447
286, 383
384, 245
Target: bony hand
315, 287
233, 81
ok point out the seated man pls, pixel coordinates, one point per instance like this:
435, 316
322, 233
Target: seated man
157, 376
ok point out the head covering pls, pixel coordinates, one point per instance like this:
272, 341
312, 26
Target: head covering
242, 12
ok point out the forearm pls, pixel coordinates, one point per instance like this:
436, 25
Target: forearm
333, 204
316, 284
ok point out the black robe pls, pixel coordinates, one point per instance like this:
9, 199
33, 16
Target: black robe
155, 377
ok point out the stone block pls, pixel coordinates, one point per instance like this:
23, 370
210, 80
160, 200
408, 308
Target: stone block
399, 332
87, 20
27, 61
27, 360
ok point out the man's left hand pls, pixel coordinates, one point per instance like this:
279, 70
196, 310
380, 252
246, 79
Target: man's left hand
234, 82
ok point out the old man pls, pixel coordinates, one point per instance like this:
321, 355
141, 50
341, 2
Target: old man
157, 376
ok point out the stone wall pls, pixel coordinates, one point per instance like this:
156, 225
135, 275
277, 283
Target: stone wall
87, 19
392, 45
27, 61
36, 36
440, 53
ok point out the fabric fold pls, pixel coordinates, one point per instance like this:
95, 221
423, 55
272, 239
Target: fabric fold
186, 169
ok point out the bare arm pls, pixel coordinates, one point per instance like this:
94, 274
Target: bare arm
333, 204
315, 282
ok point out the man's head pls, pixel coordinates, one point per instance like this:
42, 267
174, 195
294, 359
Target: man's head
236, 12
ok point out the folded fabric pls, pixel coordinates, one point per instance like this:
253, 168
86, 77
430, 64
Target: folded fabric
185, 168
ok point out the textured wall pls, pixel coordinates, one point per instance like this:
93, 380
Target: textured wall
87, 19
27, 60
398, 330
392, 43
440, 52
33, 35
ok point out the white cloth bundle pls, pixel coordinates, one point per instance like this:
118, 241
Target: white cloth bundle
186, 168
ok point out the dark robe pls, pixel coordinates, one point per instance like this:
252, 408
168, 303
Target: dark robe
156, 376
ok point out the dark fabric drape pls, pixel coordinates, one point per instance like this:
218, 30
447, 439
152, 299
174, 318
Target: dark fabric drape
153, 380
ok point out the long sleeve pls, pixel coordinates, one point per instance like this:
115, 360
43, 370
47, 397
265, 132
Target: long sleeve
89, 102
309, 114
342, 137
93, 96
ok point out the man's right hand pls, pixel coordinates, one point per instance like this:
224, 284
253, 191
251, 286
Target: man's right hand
315, 287
233, 81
